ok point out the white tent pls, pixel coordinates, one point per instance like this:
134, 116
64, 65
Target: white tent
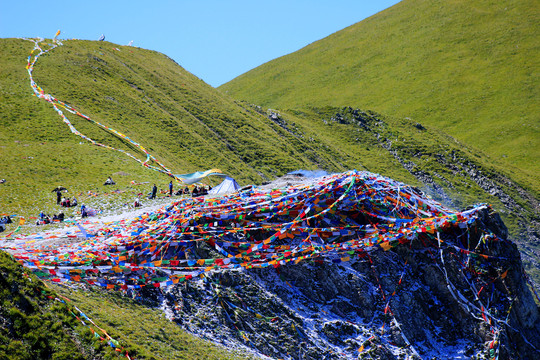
229, 185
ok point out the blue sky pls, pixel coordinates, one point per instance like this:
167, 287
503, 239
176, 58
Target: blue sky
215, 40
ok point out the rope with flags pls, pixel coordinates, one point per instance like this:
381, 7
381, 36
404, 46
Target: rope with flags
336, 219
58, 105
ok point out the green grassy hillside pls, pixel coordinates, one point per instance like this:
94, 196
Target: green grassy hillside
34, 324
188, 125
184, 122
468, 68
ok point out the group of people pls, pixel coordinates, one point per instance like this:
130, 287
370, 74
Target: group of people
184, 191
85, 211
200, 190
63, 201
3, 221
67, 202
197, 191
47, 219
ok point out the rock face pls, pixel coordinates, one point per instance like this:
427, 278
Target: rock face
449, 168
423, 299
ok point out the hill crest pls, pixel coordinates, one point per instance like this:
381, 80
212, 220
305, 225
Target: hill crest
467, 68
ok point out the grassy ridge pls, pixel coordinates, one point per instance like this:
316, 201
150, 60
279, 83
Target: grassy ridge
399, 149
32, 324
151, 335
142, 94
184, 122
469, 68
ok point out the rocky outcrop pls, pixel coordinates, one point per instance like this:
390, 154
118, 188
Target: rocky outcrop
424, 299
454, 167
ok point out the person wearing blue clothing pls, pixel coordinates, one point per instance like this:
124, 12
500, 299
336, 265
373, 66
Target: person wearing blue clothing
170, 188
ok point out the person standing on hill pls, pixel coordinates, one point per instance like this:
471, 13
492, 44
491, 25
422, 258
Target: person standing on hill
170, 188
154, 192
58, 197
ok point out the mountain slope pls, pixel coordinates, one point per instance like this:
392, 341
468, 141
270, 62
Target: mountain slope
190, 126
37, 323
169, 110
184, 122
469, 68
